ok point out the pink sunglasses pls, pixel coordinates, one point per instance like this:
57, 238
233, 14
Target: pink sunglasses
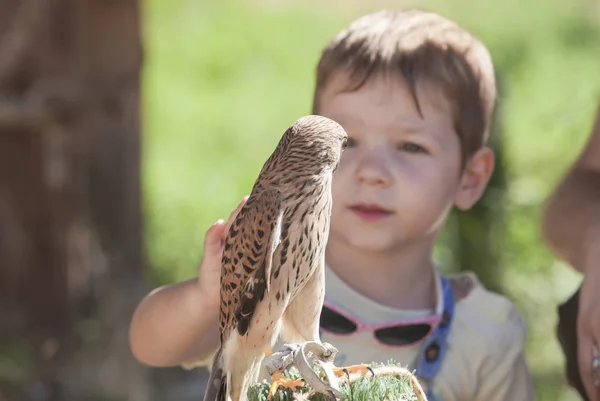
397, 333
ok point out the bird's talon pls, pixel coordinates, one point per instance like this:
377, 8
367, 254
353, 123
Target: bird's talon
279, 380
303, 356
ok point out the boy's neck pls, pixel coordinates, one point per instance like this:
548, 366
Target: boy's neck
403, 278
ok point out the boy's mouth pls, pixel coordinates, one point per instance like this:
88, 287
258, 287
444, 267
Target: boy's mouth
370, 211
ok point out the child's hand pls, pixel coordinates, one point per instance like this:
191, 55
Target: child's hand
209, 275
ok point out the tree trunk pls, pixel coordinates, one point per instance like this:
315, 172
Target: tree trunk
70, 221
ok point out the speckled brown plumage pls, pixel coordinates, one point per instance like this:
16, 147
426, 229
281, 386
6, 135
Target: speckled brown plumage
272, 279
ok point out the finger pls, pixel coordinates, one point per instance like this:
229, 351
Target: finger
595, 367
232, 216
584, 358
235, 211
212, 239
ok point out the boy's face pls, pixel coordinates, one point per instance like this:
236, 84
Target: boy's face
401, 172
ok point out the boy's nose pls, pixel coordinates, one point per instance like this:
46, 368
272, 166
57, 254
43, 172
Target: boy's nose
371, 170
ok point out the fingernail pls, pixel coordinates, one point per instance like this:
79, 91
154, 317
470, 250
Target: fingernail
220, 221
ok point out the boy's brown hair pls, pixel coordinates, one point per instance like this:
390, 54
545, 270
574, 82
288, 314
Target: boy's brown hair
424, 46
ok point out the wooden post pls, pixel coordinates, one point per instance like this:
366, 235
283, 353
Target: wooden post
71, 259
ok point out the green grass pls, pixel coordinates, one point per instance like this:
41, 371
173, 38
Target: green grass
366, 388
222, 80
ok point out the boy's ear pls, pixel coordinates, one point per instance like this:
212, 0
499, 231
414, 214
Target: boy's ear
475, 177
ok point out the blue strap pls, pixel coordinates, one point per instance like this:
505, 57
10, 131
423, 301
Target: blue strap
433, 350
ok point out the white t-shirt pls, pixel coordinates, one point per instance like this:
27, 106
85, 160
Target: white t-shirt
484, 361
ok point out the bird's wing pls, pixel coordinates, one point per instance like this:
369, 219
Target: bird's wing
248, 258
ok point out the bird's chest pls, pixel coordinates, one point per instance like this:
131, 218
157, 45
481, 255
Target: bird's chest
302, 249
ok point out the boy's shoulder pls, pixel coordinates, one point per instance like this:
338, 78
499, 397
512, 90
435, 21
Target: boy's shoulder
485, 316
486, 345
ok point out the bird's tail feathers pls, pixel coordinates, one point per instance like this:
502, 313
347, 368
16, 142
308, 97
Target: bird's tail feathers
216, 387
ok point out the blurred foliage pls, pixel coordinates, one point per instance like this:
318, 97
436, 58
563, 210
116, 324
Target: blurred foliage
223, 79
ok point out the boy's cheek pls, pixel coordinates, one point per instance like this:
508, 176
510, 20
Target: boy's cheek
339, 188
336, 210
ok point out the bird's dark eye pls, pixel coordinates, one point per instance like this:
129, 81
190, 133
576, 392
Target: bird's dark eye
348, 143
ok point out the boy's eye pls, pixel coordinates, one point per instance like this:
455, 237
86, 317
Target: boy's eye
411, 148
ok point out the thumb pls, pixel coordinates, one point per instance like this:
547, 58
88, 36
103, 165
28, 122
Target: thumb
213, 239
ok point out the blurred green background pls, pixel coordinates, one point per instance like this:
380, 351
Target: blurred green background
222, 80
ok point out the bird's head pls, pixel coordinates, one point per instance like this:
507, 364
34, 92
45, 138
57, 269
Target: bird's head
316, 142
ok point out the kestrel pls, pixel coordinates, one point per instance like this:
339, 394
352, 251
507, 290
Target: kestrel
272, 277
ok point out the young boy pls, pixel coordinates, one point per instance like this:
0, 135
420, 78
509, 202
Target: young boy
415, 93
